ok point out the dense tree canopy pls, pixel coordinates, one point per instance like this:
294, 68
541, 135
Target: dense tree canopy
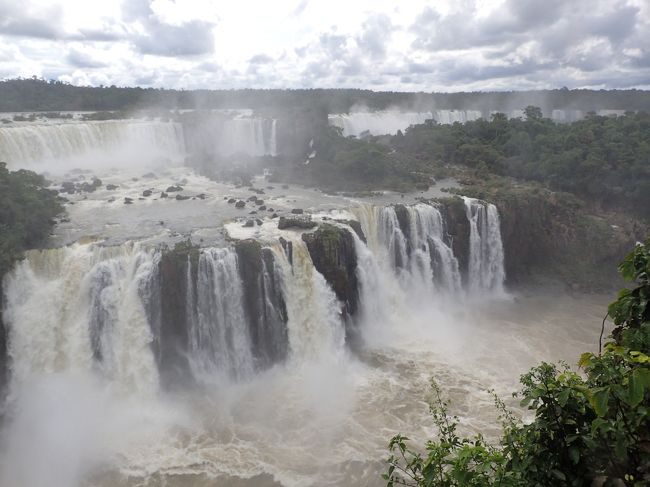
26, 212
43, 95
602, 159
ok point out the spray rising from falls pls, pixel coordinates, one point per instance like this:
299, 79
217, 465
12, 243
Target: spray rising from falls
377, 123
228, 135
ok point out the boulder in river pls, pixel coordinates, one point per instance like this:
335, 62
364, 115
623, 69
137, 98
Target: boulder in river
302, 223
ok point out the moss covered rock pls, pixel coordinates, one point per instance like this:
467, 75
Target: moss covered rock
333, 253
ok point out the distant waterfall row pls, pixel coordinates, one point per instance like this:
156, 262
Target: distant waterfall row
116, 143
146, 318
44, 146
384, 122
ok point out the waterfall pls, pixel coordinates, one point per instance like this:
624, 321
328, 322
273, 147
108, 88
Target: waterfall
379, 292
273, 142
486, 272
134, 316
315, 326
415, 248
78, 308
69, 144
392, 237
431, 259
220, 344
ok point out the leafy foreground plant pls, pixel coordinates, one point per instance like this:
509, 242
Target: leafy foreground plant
588, 429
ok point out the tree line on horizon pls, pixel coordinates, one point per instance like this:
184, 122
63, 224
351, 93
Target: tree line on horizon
37, 94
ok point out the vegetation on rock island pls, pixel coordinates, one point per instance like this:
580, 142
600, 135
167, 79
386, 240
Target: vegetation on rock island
604, 160
589, 428
27, 209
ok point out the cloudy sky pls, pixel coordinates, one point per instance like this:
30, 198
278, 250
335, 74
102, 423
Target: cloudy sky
441, 45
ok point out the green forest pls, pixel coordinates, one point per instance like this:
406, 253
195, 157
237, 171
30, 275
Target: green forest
27, 211
602, 159
35, 94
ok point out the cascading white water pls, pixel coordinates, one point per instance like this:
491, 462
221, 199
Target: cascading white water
273, 142
115, 143
431, 258
423, 261
314, 322
78, 308
220, 345
486, 271
392, 238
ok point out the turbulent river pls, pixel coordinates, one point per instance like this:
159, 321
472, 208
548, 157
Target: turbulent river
246, 360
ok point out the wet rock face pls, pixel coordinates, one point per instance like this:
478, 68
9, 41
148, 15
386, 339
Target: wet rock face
169, 314
404, 224
333, 253
356, 226
264, 304
457, 230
